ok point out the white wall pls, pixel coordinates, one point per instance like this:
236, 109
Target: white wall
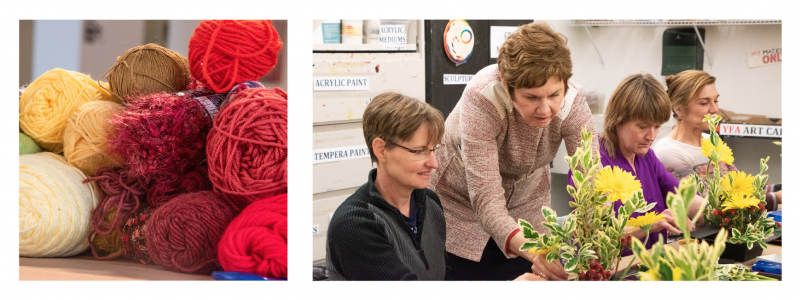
56, 44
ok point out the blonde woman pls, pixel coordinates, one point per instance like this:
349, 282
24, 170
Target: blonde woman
693, 94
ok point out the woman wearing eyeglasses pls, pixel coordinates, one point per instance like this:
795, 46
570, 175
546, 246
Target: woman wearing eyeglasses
497, 146
392, 228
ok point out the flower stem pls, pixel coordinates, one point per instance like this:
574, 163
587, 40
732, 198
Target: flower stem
625, 273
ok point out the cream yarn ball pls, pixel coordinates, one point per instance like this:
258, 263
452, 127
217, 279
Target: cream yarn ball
55, 206
85, 145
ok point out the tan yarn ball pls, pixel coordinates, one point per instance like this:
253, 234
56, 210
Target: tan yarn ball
55, 206
85, 145
50, 100
146, 70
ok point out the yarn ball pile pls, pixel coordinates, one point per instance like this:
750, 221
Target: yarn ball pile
223, 53
50, 100
160, 136
148, 69
247, 147
85, 135
27, 145
182, 235
54, 207
256, 240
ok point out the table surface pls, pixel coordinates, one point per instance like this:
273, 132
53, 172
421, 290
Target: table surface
85, 267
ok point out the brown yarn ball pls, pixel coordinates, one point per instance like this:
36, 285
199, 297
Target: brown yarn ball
85, 145
148, 69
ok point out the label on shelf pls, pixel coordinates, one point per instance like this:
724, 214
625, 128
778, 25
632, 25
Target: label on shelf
457, 79
393, 34
394, 46
751, 130
340, 153
341, 83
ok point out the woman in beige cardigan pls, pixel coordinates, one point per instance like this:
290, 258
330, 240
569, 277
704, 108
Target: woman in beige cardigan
496, 150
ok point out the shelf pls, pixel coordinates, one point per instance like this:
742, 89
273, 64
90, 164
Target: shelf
336, 48
672, 22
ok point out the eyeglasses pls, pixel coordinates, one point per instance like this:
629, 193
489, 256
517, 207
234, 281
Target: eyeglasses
419, 154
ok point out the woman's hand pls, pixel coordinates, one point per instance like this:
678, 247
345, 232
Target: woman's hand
549, 271
529, 277
669, 223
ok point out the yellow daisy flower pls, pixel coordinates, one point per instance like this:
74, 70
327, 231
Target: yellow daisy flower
645, 219
742, 183
618, 183
724, 152
740, 201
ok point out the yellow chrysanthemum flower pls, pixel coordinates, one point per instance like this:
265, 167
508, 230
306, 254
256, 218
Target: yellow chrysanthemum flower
740, 201
742, 183
618, 183
645, 219
723, 151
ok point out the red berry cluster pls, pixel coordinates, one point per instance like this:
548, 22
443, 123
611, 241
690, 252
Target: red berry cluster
595, 273
626, 241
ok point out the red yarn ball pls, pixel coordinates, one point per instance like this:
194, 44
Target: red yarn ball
191, 182
223, 53
160, 136
247, 147
256, 240
182, 235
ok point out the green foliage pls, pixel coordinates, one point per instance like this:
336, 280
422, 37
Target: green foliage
692, 262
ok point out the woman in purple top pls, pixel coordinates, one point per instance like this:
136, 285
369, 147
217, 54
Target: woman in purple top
634, 114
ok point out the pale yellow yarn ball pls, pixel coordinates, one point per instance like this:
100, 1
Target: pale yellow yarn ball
50, 100
85, 145
55, 206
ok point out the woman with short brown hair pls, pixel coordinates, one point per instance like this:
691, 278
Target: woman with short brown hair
392, 227
495, 154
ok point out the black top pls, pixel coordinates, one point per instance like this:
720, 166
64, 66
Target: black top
369, 239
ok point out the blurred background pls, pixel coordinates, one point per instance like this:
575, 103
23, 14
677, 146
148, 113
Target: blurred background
92, 46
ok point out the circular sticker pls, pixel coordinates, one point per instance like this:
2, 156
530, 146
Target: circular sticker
458, 41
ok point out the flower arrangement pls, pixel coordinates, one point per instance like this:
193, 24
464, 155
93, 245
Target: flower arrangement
695, 261
591, 238
736, 201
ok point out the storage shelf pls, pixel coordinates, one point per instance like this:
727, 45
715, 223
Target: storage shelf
324, 48
672, 22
